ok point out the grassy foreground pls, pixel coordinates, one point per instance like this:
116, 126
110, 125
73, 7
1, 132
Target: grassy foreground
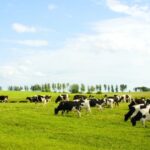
34, 126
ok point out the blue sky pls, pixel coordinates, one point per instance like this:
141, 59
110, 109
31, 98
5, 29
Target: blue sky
82, 41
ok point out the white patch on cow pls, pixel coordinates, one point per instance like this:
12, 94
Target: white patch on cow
86, 105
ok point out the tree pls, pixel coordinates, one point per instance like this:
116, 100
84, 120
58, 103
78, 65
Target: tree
63, 87
82, 88
54, 87
59, 87
112, 88
116, 89
74, 88
0, 88
26, 88
123, 87
36, 87
105, 87
108, 88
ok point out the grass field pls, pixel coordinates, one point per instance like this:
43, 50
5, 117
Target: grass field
25, 126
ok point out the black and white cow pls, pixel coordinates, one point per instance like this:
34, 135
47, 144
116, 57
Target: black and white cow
62, 97
3, 98
111, 100
96, 103
136, 102
66, 106
81, 97
142, 115
134, 107
126, 98
39, 99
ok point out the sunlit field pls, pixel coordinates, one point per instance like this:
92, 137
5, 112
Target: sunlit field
26, 126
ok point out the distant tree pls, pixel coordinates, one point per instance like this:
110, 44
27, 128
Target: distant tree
63, 87
26, 88
142, 89
91, 89
98, 88
74, 88
123, 87
112, 88
105, 87
82, 89
36, 87
116, 88
54, 87
0, 88
59, 87
108, 88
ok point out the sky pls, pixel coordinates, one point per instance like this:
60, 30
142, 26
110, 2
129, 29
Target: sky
81, 41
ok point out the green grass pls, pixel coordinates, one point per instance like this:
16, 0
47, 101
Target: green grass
34, 126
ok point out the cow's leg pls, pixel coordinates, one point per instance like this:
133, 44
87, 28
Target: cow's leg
79, 113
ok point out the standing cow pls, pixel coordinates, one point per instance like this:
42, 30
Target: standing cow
3, 98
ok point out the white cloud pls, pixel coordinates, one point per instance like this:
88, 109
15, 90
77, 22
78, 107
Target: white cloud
52, 7
116, 52
33, 43
21, 28
134, 10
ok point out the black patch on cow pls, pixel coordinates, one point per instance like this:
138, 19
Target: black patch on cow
142, 106
136, 118
129, 114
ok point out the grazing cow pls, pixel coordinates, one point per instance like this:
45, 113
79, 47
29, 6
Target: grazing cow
96, 103
143, 114
39, 99
134, 107
111, 100
81, 97
66, 106
62, 97
3, 98
136, 101
125, 98
48, 98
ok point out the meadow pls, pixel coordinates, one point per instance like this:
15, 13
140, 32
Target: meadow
29, 126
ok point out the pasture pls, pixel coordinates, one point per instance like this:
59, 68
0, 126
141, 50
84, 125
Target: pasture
29, 126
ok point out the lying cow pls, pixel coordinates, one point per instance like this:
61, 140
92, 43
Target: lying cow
3, 98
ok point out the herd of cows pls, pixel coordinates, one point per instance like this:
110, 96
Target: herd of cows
139, 109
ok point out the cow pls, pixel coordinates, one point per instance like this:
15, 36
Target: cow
81, 97
125, 98
111, 100
136, 101
66, 106
96, 103
142, 115
62, 97
3, 98
39, 99
134, 107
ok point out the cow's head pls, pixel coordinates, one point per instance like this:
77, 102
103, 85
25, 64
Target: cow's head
58, 99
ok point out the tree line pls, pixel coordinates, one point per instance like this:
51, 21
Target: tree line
75, 88
67, 87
